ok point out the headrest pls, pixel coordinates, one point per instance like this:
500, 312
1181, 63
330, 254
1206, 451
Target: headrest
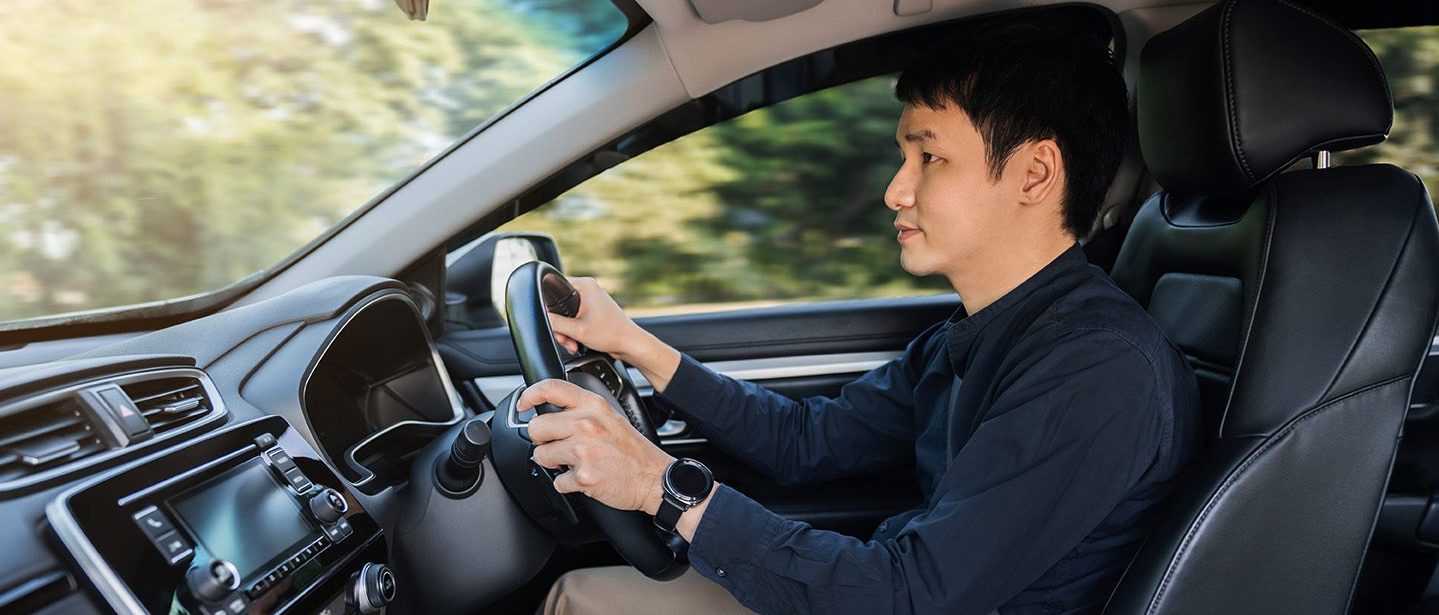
1244, 88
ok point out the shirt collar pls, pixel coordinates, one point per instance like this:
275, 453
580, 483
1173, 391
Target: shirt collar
964, 328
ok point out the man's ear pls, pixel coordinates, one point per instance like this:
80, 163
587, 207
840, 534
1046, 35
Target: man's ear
1041, 169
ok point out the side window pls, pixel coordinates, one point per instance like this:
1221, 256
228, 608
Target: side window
1411, 62
783, 204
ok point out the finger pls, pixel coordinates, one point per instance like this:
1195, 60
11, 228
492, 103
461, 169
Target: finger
547, 428
552, 455
582, 421
569, 343
552, 391
566, 483
566, 326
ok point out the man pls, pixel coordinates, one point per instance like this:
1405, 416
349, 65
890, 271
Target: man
1047, 419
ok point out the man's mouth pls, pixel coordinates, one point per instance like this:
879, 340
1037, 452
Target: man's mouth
906, 231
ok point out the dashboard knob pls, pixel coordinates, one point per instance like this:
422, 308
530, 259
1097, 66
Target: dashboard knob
214, 581
371, 589
328, 506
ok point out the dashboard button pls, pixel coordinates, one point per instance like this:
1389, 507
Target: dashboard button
235, 606
297, 480
153, 523
174, 547
338, 531
124, 412
264, 441
281, 459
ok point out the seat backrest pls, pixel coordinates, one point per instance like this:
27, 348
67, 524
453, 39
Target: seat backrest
1305, 301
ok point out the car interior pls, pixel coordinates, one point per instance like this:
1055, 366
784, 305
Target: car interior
339, 432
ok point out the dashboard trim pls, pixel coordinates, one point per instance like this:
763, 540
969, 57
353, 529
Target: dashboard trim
217, 411
457, 411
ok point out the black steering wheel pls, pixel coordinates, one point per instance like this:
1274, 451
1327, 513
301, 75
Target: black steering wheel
534, 290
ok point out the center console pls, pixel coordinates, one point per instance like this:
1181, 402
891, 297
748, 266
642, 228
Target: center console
246, 520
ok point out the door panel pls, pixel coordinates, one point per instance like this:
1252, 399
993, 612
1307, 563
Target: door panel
793, 330
1398, 568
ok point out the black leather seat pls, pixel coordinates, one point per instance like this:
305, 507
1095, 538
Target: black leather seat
1305, 300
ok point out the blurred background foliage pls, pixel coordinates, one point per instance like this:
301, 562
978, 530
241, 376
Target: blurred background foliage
151, 150
161, 149
781, 204
1411, 62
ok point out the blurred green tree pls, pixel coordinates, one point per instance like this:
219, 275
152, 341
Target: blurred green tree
154, 150
1410, 57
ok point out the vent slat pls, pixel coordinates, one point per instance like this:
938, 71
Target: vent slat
43, 437
169, 402
14, 434
141, 401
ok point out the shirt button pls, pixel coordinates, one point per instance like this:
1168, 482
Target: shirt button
720, 572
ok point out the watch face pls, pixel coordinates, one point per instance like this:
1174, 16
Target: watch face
689, 479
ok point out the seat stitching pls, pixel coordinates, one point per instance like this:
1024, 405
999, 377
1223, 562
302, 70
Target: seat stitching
1228, 70
1271, 212
1234, 475
1353, 39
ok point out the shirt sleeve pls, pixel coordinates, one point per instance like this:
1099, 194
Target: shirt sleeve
1065, 440
809, 440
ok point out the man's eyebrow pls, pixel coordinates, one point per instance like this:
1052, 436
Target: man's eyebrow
919, 136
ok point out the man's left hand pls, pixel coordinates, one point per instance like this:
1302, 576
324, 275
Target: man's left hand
607, 459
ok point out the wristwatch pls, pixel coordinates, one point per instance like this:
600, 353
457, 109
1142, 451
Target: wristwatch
686, 483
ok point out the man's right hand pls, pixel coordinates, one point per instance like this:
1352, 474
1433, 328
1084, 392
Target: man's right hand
603, 326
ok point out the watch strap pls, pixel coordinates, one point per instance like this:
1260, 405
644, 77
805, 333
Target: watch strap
668, 516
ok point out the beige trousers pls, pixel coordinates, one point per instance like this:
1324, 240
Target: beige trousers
621, 590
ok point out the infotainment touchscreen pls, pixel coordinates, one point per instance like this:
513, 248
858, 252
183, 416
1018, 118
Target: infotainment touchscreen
245, 516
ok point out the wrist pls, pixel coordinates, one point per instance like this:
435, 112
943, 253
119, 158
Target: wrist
654, 358
690, 521
639, 349
655, 491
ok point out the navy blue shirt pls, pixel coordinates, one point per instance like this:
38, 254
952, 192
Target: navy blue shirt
1046, 429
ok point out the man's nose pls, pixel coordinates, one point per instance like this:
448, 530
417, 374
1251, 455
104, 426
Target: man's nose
900, 192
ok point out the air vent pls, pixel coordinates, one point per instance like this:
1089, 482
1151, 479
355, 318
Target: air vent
39, 438
168, 403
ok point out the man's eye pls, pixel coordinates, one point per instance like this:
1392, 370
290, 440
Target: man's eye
926, 157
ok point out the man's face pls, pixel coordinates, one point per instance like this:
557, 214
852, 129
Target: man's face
947, 209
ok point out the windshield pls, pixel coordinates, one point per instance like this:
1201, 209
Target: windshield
155, 149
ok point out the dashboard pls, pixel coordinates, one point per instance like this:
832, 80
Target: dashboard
258, 460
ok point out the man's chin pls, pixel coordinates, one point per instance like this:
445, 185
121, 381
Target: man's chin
914, 266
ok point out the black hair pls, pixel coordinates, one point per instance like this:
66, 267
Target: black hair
1024, 79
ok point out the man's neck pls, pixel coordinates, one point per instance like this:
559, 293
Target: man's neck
984, 282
